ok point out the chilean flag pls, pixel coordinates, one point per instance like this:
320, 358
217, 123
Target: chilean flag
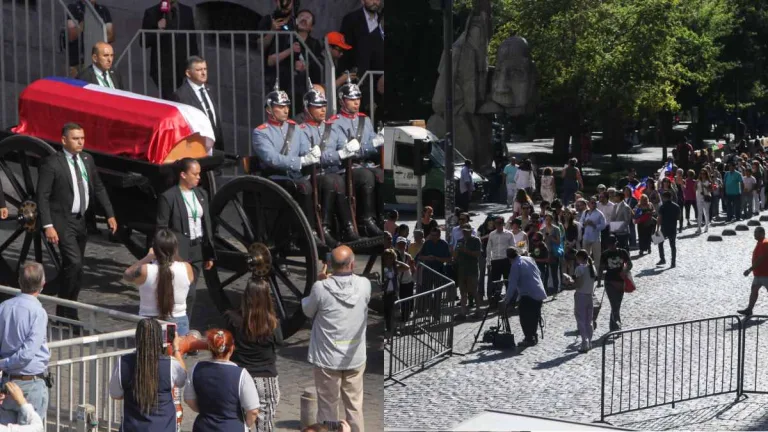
667, 172
637, 191
115, 121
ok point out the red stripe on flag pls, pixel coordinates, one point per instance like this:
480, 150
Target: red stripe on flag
112, 123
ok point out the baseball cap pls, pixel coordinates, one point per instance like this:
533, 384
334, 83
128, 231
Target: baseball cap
402, 239
337, 39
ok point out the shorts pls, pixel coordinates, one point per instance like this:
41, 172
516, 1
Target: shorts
467, 284
761, 281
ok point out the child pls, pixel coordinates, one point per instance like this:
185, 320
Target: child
390, 284
547, 185
402, 232
540, 254
390, 225
582, 298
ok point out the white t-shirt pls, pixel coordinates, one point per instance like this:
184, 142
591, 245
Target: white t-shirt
585, 283
749, 183
178, 378
249, 397
148, 291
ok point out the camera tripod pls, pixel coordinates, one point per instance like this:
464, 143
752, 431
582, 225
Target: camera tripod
502, 322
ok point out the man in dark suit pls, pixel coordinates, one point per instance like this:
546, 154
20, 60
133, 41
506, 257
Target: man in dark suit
66, 184
195, 92
363, 31
184, 210
178, 17
100, 71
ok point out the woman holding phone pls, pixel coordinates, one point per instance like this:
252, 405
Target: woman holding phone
145, 380
163, 281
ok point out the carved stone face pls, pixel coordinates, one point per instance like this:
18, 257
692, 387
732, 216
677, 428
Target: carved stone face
514, 77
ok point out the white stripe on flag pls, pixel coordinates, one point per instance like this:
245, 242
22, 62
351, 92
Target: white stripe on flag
197, 120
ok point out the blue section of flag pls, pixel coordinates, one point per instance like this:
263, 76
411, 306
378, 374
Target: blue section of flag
669, 167
70, 81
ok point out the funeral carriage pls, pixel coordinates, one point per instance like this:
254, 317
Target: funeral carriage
135, 149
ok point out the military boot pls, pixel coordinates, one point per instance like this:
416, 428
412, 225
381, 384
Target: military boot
329, 198
367, 223
348, 233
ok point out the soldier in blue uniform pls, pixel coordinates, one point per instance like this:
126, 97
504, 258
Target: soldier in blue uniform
330, 183
282, 149
355, 128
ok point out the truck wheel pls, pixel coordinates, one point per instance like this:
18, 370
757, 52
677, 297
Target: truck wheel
436, 200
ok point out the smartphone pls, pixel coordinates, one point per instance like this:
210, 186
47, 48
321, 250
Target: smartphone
170, 333
328, 258
332, 426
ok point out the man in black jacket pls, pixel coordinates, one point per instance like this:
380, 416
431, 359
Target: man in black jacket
362, 29
184, 210
100, 71
195, 92
168, 49
67, 181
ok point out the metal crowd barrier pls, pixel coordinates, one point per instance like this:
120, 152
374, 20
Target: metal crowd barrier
35, 45
754, 365
423, 324
83, 354
671, 363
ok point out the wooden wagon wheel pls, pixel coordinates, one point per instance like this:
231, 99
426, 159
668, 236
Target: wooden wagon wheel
20, 157
253, 210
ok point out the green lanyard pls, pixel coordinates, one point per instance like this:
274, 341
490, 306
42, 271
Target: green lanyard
83, 173
192, 206
104, 82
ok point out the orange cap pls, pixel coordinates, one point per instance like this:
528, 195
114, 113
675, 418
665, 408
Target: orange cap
337, 39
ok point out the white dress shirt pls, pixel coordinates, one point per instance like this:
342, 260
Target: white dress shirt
607, 210
498, 243
76, 202
100, 77
196, 88
195, 220
372, 20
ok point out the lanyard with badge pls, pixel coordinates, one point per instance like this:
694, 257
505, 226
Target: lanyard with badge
192, 206
103, 81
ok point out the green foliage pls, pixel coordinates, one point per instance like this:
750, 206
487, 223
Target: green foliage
623, 56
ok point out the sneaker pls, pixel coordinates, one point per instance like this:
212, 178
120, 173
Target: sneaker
745, 312
661, 262
706, 229
673, 265
698, 231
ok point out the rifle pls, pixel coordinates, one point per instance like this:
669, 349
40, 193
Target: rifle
351, 195
316, 204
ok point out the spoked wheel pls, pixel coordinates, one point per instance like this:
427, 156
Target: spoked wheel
252, 211
20, 158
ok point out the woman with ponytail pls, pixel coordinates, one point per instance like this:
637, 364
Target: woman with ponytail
163, 281
145, 381
221, 392
582, 297
257, 333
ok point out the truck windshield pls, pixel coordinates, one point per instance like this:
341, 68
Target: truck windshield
438, 155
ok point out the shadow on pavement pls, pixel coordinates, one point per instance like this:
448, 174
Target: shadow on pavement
556, 362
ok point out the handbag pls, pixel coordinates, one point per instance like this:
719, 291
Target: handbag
657, 238
629, 283
707, 198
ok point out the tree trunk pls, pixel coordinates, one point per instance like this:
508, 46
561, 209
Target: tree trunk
613, 133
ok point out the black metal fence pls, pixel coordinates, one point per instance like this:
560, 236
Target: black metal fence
666, 364
422, 330
754, 365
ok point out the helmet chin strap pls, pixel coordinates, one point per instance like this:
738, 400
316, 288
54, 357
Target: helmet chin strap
271, 115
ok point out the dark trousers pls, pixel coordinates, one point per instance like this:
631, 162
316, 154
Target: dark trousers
544, 270
622, 240
672, 237
463, 201
195, 258
406, 291
733, 206
301, 191
530, 314
367, 183
632, 235
72, 243
644, 233
688, 205
615, 292
482, 287
389, 307
554, 271
499, 270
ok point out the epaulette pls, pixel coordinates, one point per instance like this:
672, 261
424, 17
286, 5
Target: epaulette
262, 126
289, 121
334, 117
330, 121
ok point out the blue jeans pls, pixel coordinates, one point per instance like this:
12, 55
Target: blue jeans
182, 325
35, 392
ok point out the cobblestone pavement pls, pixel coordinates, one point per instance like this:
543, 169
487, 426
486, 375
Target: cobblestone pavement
554, 380
104, 265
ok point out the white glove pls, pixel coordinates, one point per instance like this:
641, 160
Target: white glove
378, 140
316, 152
352, 146
344, 154
309, 159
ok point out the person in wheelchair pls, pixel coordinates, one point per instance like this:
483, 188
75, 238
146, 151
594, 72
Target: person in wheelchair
330, 184
354, 128
282, 148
